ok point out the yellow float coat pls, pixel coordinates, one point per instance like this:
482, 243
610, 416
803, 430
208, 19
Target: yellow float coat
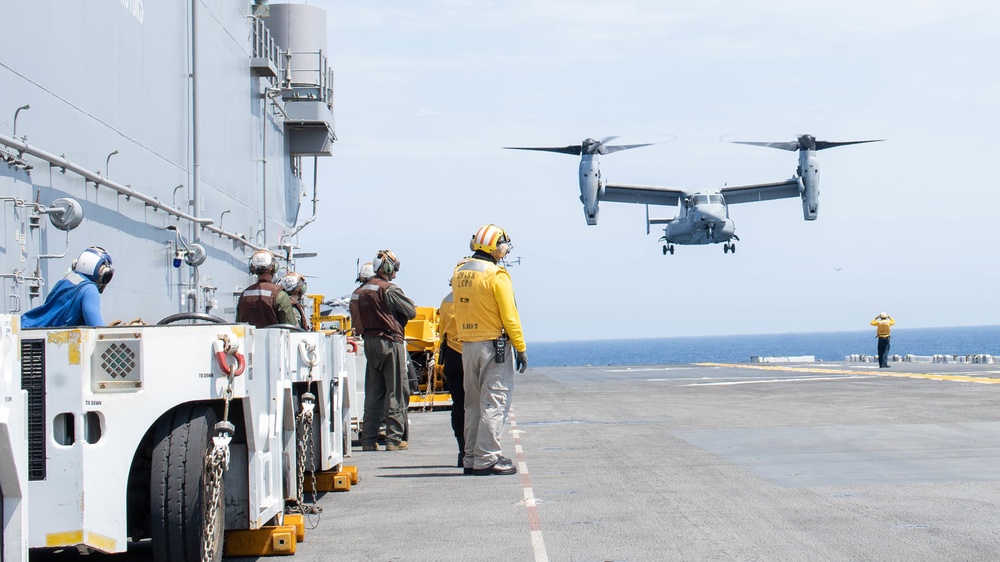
484, 303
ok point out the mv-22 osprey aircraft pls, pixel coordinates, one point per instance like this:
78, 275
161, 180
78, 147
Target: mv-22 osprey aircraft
704, 214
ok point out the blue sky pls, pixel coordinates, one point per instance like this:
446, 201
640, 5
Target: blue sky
426, 93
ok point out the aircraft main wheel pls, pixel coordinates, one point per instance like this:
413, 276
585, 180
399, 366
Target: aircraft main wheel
181, 441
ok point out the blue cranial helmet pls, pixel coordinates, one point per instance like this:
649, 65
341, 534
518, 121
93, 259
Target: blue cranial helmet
95, 264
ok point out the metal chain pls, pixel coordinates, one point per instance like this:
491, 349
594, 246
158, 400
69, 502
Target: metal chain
216, 463
310, 451
306, 450
305, 422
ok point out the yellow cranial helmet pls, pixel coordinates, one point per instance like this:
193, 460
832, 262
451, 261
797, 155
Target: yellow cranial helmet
490, 237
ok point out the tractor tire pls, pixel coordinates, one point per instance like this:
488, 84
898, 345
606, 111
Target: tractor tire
181, 441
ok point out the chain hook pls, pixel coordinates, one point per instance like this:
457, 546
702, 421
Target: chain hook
224, 349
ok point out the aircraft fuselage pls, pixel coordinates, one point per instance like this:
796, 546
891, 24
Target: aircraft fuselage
700, 223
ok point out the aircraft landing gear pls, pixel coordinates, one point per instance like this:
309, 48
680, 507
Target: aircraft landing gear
668, 248
727, 247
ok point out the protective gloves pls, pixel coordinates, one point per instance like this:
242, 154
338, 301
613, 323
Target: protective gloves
521, 362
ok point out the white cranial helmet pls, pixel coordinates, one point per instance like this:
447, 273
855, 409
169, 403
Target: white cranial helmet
293, 283
366, 273
263, 261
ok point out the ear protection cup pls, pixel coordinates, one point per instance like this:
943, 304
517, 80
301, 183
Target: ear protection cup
503, 248
104, 275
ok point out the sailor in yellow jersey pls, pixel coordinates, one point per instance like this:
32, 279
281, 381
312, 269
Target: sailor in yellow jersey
883, 321
492, 341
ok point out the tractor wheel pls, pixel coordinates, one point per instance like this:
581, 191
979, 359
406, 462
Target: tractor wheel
181, 441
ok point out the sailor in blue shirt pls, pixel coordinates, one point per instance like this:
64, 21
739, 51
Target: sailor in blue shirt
75, 300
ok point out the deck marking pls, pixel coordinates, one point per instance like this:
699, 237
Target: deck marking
928, 376
530, 505
647, 369
764, 381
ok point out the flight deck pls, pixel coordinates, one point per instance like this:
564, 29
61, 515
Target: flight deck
816, 461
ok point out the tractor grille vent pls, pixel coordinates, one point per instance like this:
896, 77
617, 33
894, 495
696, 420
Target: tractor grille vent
116, 364
118, 360
33, 381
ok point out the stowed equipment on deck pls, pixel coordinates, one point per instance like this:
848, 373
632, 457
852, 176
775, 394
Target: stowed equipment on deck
187, 435
423, 343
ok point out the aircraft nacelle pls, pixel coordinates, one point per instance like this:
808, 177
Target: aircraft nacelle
809, 184
590, 186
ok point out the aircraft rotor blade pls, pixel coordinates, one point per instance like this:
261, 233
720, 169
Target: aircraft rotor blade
805, 142
820, 145
572, 149
792, 146
620, 147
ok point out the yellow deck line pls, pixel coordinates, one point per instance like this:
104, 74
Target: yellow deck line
880, 373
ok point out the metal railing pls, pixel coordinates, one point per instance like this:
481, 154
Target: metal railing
122, 189
323, 75
264, 46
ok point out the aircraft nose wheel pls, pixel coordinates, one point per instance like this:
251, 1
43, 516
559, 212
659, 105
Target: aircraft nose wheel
669, 248
727, 247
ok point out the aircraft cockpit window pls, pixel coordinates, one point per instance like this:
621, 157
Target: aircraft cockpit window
699, 199
716, 199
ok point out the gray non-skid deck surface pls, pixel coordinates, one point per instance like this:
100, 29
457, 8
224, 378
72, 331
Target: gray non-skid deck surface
690, 462
698, 463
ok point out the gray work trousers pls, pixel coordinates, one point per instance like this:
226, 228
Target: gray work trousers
385, 395
489, 387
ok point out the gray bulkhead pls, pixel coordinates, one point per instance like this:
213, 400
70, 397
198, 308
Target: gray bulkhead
130, 76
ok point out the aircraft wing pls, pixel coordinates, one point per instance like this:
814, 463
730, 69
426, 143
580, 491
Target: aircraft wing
641, 194
761, 191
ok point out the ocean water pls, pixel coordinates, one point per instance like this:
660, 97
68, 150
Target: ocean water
825, 346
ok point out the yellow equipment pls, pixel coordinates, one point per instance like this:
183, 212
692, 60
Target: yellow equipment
422, 343
317, 319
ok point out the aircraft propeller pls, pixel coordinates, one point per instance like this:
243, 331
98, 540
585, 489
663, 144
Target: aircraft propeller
588, 146
805, 142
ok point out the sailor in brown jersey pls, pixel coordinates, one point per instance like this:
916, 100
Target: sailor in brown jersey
383, 310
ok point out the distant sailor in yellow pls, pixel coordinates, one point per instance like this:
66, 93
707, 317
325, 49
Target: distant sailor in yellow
882, 322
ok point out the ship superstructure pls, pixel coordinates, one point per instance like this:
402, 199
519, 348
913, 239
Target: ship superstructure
177, 130
181, 137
